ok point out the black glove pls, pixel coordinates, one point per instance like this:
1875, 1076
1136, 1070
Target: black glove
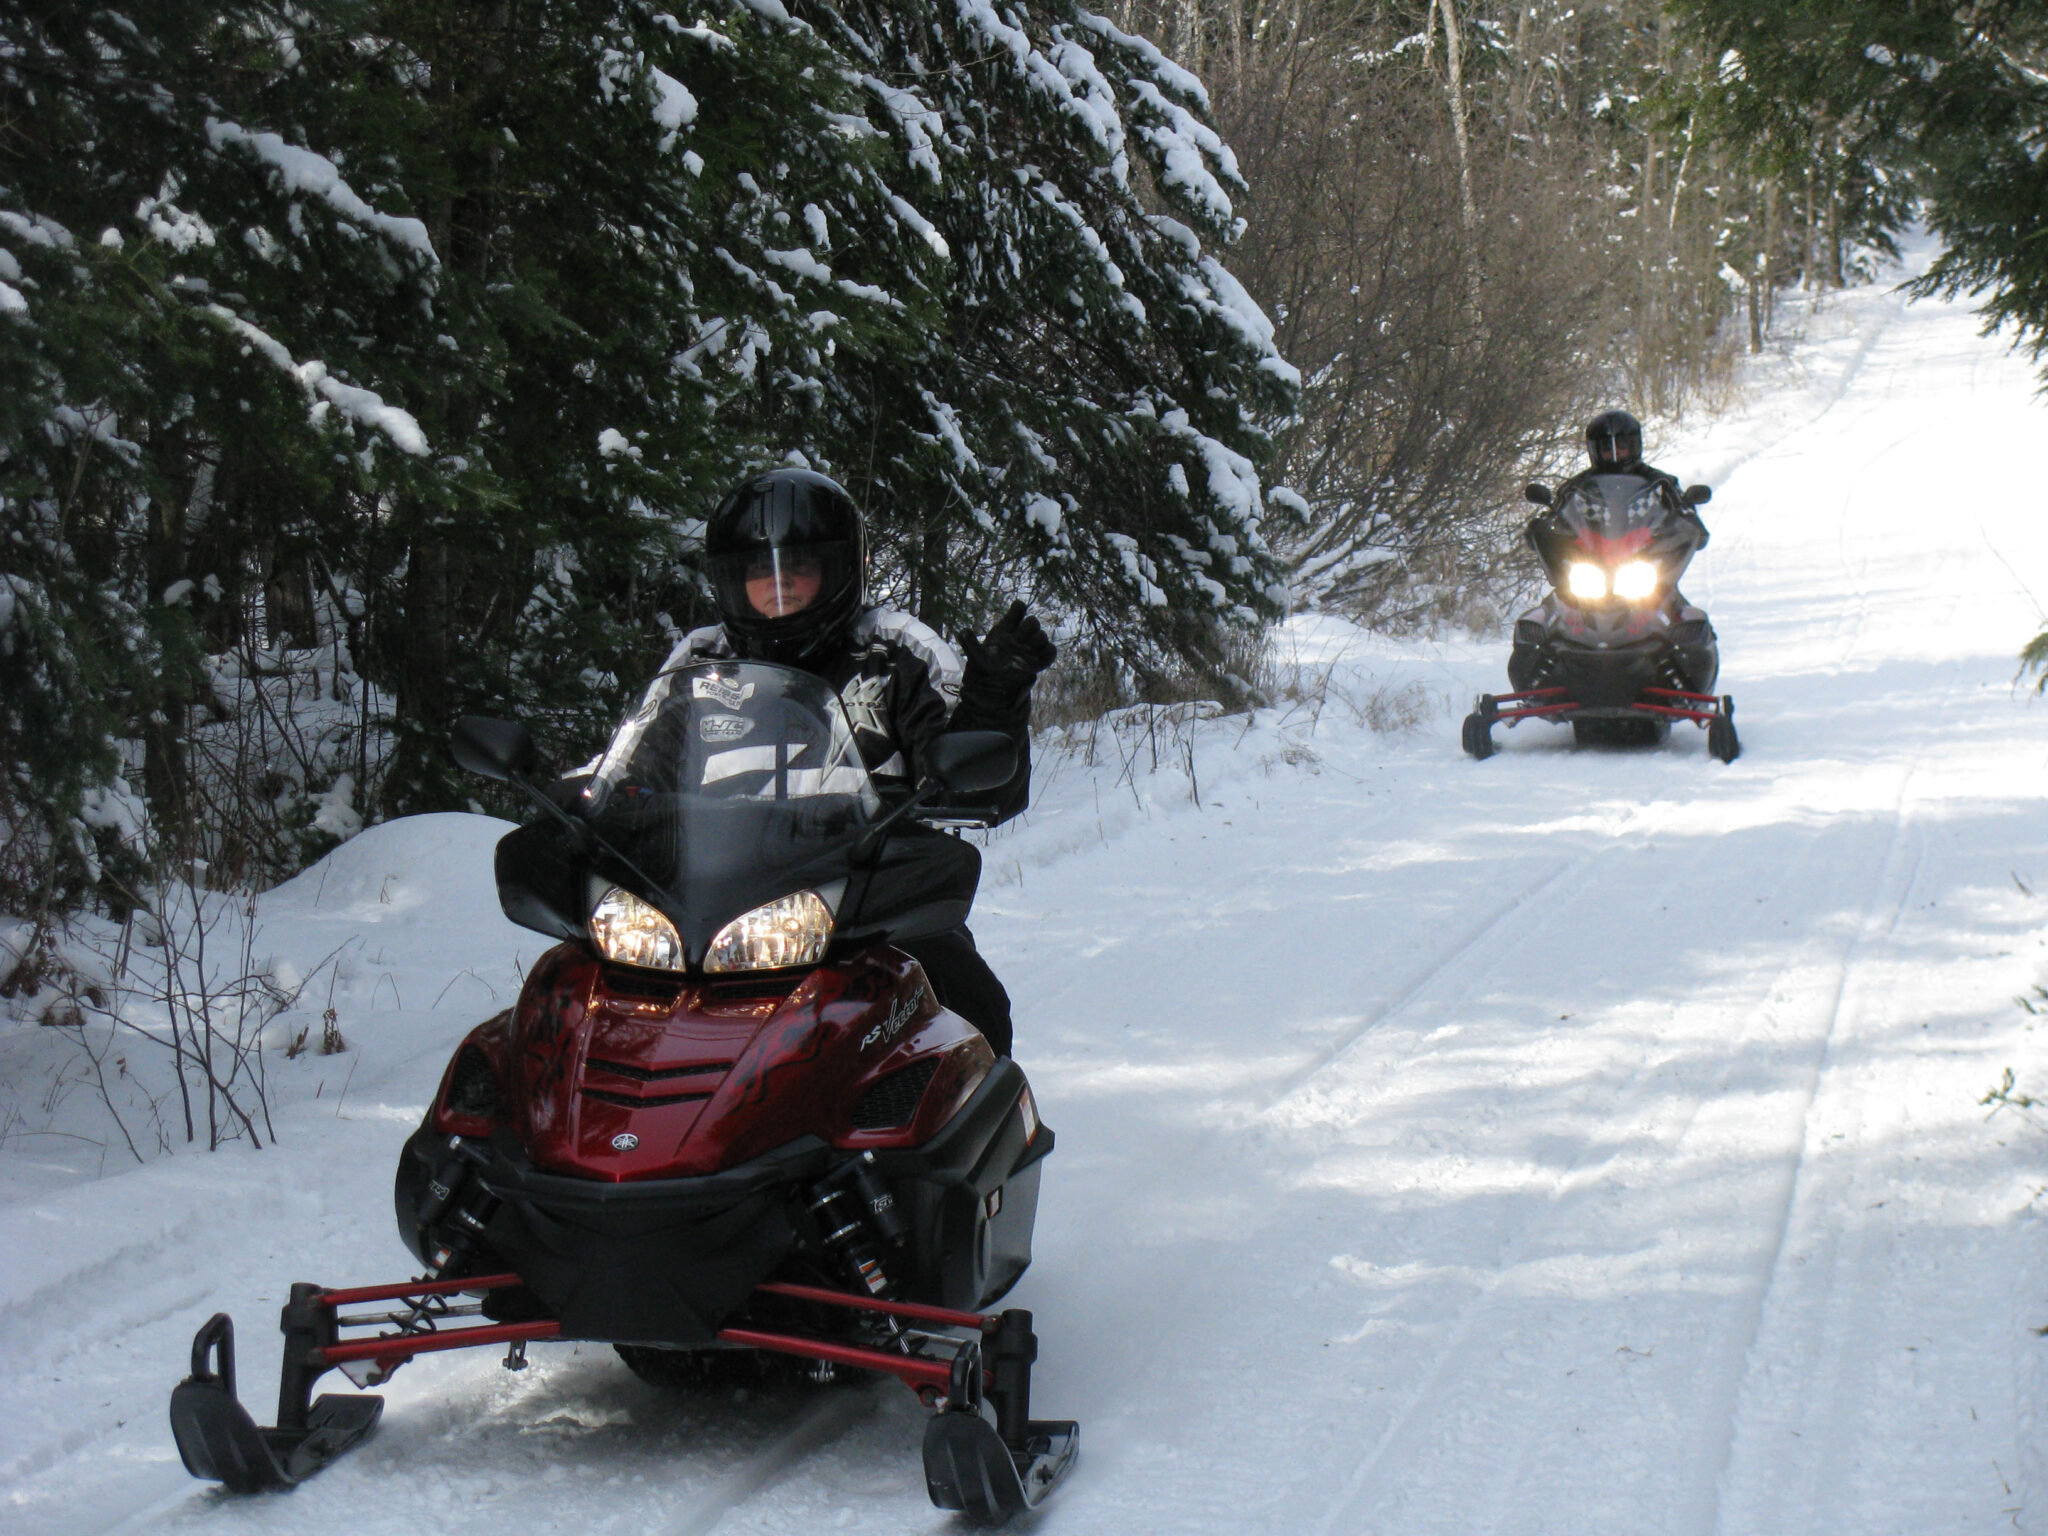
1002, 667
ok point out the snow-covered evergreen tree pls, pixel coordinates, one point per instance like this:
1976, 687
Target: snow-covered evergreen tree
449, 320
1088, 417
622, 203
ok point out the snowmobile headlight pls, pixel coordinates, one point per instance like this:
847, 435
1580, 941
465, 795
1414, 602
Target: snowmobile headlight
1584, 579
791, 930
630, 931
1635, 581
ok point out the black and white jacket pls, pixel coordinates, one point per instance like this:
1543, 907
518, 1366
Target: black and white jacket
899, 680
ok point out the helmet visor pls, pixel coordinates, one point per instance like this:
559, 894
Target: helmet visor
780, 581
1615, 448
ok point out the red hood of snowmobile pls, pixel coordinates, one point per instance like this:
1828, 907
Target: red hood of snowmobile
1621, 546
617, 1076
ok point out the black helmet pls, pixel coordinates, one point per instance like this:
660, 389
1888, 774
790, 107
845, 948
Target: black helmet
787, 524
1614, 442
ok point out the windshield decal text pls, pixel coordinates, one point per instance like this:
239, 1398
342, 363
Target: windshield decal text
731, 695
723, 727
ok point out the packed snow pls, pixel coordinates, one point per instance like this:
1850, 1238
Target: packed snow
1576, 1141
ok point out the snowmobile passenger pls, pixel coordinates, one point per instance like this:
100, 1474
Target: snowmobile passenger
787, 557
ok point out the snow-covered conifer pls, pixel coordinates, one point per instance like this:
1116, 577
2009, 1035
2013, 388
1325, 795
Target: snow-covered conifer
1088, 416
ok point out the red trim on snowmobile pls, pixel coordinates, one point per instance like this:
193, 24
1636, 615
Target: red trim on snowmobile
915, 1310
918, 1372
1531, 711
1696, 716
416, 1288
922, 1373
1711, 705
1713, 699
398, 1348
1607, 548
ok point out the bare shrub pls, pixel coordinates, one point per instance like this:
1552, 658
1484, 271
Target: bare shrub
1438, 345
167, 1013
1385, 708
1473, 223
1088, 682
1391, 709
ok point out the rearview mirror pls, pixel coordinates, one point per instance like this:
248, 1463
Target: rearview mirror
1697, 495
1537, 492
973, 762
496, 749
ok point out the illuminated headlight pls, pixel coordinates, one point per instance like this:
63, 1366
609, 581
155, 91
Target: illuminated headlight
792, 930
1635, 580
630, 932
1584, 580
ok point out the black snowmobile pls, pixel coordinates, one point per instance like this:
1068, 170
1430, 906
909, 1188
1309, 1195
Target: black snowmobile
1614, 649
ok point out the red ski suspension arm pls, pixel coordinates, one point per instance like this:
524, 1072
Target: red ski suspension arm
917, 1311
405, 1346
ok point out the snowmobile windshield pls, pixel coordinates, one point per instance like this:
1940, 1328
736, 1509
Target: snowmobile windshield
1614, 506
733, 783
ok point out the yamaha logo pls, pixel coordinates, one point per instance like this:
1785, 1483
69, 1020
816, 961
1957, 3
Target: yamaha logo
625, 1141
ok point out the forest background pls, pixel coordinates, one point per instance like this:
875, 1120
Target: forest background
364, 364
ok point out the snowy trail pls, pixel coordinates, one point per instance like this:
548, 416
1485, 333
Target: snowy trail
1576, 1141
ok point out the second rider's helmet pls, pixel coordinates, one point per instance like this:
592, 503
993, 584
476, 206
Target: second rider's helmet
1614, 442
786, 519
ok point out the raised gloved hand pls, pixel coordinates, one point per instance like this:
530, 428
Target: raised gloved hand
1002, 666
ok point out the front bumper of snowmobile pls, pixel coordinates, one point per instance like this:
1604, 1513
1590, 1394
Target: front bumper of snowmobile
667, 1261
1714, 713
986, 1470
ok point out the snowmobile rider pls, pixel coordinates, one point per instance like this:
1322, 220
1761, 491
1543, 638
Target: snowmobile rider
787, 556
1614, 446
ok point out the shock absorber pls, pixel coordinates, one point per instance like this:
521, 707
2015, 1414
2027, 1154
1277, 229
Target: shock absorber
854, 1207
457, 1208
452, 1217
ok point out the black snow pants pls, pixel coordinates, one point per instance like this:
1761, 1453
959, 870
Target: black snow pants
964, 982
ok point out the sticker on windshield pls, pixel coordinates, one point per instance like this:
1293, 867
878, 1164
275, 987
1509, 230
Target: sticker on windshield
723, 727
731, 695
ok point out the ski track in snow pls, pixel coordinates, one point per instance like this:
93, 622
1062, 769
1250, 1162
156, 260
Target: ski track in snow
1575, 1141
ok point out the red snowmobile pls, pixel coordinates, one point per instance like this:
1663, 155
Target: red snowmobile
1614, 649
726, 1115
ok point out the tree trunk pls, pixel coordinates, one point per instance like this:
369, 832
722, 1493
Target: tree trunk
1187, 34
1770, 251
1524, 86
1806, 236
928, 578
1454, 77
1836, 277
